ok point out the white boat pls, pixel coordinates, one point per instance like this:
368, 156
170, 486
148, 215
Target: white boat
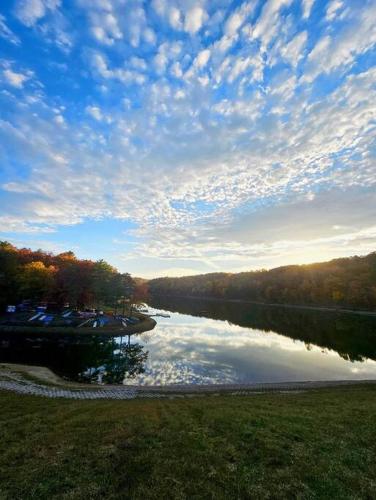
35, 316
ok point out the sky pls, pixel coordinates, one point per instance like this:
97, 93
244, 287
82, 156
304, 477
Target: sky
175, 137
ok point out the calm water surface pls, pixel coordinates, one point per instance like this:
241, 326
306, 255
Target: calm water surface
208, 342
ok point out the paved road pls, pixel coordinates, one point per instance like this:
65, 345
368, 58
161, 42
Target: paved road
16, 383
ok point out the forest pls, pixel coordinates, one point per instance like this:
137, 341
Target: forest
346, 282
59, 279
42, 276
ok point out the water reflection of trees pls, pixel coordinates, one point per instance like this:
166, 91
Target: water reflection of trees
352, 336
85, 359
125, 361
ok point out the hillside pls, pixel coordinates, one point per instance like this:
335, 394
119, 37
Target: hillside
346, 282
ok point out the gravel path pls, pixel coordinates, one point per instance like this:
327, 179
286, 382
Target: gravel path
16, 383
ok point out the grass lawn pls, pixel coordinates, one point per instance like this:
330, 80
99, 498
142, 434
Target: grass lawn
318, 444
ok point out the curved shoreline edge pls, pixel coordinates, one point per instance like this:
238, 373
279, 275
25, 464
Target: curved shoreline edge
363, 312
32, 380
146, 324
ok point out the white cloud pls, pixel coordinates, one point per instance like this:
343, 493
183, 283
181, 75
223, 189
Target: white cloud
124, 75
307, 8
269, 21
233, 24
179, 94
7, 33
167, 52
225, 43
59, 119
189, 16
29, 12
15, 79
340, 50
160, 7
160, 62
194, 19
284, 84
11, 224
293, 51
175, 18
105, 27
111, 21
176, 70
332, 9
237, 18
149, 36
239, 66
136, 25
94, 112
48, 21
100, 64
202, 58
138, 63
320, 49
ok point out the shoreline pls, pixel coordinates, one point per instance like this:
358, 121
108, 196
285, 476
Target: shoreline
273, 304
41, 381
146, 324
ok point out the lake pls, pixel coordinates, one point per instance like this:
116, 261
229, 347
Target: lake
213, 342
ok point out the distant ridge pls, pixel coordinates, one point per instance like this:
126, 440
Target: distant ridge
344, 282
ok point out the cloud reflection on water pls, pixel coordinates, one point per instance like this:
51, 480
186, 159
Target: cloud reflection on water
194, 350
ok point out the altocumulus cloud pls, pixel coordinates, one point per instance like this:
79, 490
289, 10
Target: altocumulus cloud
218, 135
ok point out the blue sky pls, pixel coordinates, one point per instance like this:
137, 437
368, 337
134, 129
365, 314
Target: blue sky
184, 136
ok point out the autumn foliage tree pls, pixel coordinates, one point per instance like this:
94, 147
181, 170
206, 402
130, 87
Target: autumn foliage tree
347, 282
62, 278
36, 280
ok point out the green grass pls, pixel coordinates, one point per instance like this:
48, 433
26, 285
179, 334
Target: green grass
319, 444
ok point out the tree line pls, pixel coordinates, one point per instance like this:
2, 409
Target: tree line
346, 282
60, 279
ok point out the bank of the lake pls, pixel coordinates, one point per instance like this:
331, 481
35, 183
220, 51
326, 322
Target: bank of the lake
40, 381
145, 324
319, 444
307, 307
